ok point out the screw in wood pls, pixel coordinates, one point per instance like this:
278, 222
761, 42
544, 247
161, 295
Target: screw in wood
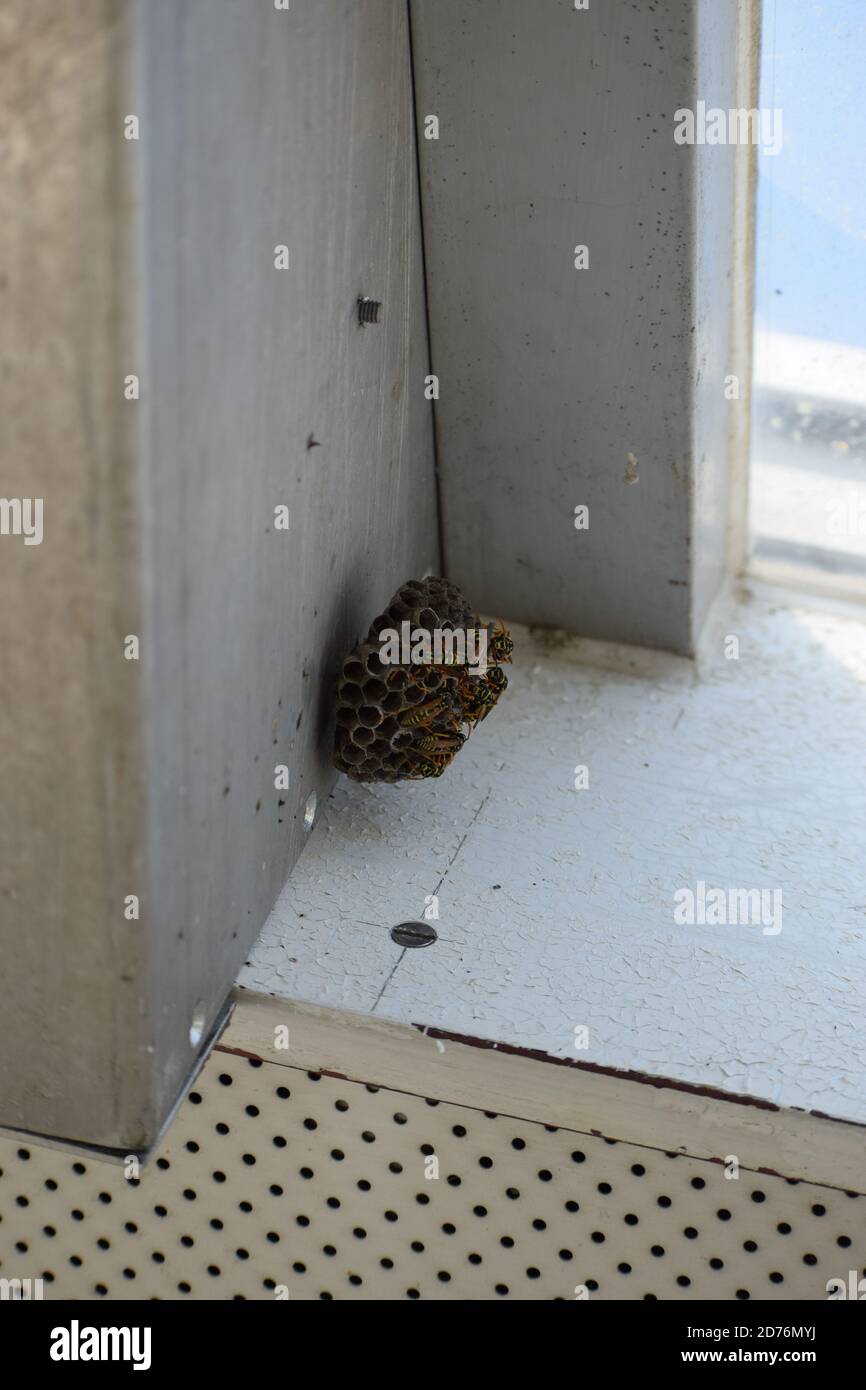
413, 934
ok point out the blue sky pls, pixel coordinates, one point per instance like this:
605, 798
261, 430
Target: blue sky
812, 196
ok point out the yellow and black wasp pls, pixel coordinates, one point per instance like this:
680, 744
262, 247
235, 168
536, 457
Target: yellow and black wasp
465, 701
501, 644
403, 718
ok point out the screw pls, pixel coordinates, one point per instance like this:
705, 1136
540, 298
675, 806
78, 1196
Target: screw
196, 1028
368, 310
413, 934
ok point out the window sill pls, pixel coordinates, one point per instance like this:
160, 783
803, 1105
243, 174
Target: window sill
557, 907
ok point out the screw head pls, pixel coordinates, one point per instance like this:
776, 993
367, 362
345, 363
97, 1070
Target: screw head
196, 1027
413, 934
368, 309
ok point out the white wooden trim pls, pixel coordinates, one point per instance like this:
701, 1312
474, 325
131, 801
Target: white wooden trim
645, 1111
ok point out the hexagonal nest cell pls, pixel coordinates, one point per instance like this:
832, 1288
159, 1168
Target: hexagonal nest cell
409, 719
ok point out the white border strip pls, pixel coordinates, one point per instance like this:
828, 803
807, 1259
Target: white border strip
656, 1114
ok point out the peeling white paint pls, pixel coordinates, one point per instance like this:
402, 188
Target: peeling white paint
556, 907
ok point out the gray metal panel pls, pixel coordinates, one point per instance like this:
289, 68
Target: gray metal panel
556, 130
713, 249
258, 128
267, 128
70, 759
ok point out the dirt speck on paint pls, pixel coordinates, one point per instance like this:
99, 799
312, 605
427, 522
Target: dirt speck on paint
631, 469
551, 639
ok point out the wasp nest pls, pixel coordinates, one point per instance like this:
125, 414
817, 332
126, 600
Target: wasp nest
408, 717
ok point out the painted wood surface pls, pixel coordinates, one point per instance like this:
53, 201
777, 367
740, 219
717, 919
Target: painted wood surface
557, 902
465, 1071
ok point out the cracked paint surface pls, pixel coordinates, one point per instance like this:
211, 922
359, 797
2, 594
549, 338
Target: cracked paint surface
556, 906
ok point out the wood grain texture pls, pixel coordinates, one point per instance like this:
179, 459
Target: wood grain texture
557, 131
259, 389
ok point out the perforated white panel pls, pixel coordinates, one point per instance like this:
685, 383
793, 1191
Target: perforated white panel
272, 1176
